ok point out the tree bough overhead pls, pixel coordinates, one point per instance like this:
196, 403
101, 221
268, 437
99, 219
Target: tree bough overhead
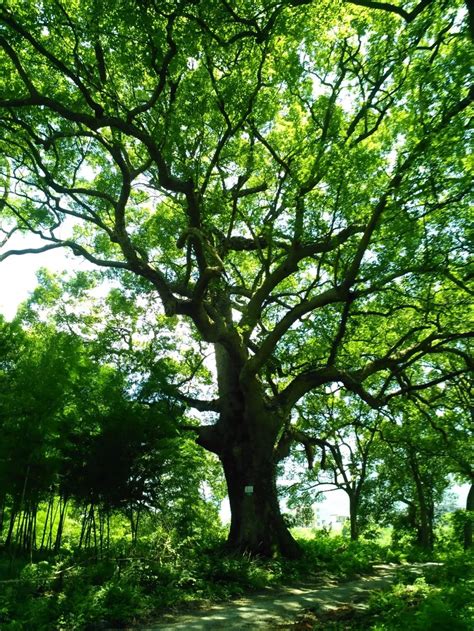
290, 177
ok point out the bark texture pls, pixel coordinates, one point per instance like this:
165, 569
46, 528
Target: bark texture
245, 439
425, 505
353, 511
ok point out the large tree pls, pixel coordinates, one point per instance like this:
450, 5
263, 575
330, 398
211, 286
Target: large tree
288, 177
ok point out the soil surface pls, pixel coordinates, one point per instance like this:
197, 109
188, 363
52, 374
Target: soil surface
279, 607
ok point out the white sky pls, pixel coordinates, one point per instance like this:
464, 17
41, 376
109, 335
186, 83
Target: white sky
18, 273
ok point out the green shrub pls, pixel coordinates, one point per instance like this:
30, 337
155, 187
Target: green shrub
438, 601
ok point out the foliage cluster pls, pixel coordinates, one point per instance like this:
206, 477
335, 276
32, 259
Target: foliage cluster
75, 444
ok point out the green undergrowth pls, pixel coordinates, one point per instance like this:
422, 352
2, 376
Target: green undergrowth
440, 599
341, 558
129, 584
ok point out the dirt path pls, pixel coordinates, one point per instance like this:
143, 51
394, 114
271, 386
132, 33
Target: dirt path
276, 606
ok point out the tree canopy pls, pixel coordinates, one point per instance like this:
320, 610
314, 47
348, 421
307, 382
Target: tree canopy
292, 179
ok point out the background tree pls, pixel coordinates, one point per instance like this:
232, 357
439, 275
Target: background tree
34, 385
411, 472
448, 414
291, 179
73, 438
339, 433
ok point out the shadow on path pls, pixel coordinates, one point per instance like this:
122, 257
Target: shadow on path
276, 606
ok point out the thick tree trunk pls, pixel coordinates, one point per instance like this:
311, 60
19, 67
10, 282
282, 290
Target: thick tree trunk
468, 525
353, 512
425, 530
257, 525
244, 439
